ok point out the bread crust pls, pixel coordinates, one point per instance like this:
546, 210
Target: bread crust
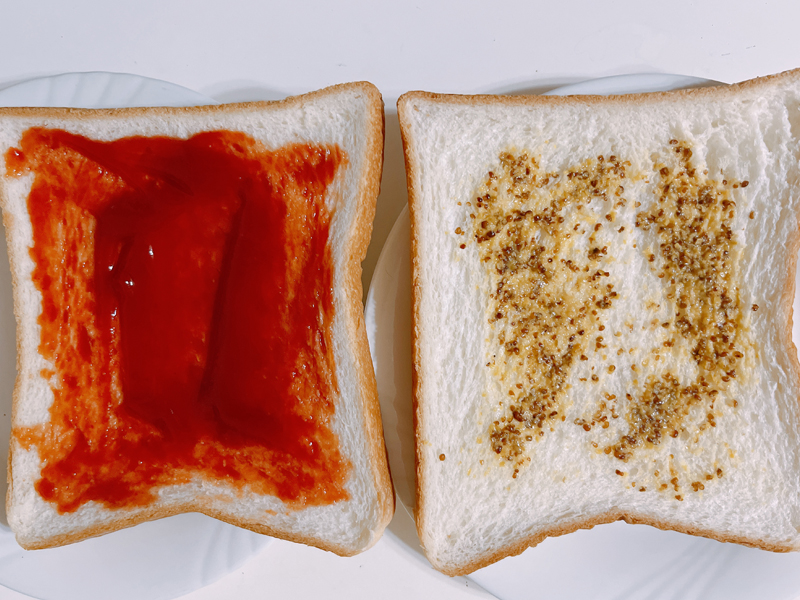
405, 104
411, 172
351, 311
703, 93
365, 87
368, 194
589, 523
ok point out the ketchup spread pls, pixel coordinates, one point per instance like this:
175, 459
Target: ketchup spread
187, 308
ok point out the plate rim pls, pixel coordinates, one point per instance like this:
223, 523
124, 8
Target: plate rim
17, 87
647, 82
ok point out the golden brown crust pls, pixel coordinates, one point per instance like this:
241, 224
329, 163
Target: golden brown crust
704, 93
411, 171
367, 199
154, 514
168, 111
352, 312
609, 517
8, 224
406, 103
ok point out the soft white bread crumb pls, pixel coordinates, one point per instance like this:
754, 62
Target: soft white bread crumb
471, 511
349, 115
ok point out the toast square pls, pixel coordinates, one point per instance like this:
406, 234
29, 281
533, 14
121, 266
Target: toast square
602, 315
250, 399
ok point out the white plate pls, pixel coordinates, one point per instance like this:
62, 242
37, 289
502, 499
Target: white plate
157, 560
614, 561
99, 90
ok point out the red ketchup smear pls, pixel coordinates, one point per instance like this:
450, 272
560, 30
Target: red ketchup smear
187, 308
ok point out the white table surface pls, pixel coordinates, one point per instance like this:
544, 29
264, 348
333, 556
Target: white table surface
256, 49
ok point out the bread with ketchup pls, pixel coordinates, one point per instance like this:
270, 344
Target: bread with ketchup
603, 315
190, 333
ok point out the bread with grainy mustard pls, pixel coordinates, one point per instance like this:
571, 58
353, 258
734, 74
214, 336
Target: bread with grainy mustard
602, 316
324, 151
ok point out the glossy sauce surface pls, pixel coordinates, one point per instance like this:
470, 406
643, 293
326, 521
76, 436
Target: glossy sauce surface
187, 307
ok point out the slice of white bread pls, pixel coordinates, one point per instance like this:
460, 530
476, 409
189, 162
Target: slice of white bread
602, 316
348, 117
